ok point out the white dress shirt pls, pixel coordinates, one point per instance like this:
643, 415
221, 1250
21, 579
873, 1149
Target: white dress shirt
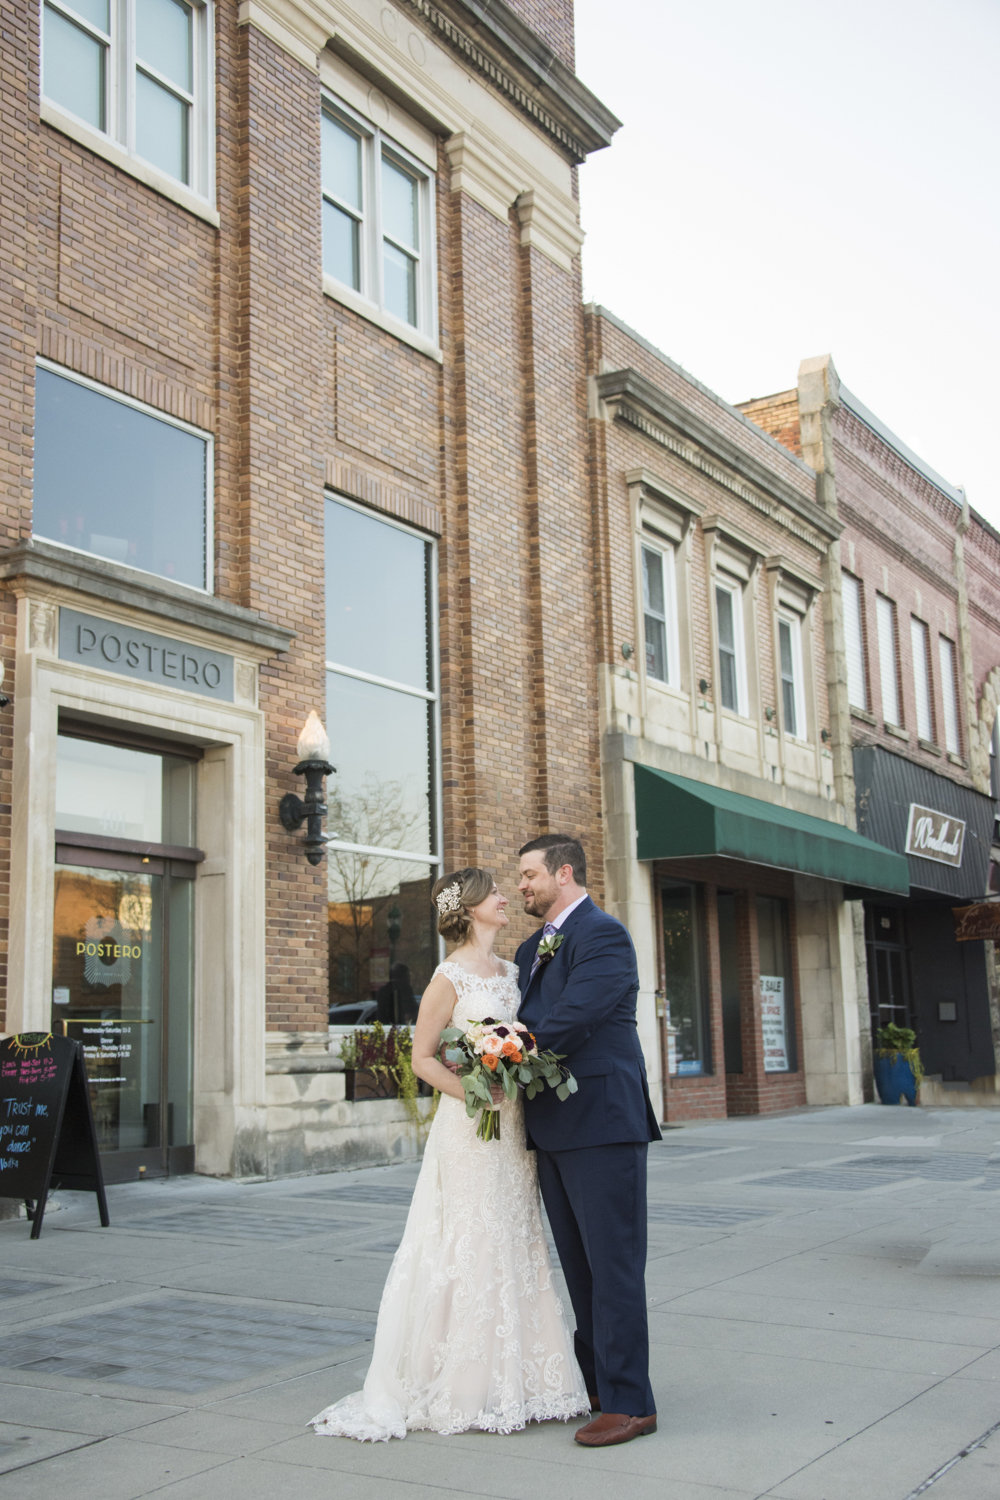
558, 921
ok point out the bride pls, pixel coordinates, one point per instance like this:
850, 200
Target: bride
471, 1333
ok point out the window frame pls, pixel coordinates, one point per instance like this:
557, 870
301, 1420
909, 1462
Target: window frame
735, 591
369, 299
149, 411
668, 566
794, 623
858, 585
121, 65
949, 680
894, 675
919, 629
432, 695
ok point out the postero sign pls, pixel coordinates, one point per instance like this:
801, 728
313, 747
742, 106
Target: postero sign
772, 1017
47, 1137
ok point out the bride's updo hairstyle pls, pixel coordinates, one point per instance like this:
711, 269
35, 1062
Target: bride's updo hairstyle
454, 895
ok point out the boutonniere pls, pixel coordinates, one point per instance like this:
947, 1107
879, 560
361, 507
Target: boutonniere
547, 947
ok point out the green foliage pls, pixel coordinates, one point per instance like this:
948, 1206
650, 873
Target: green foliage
389, 1053
900, 1041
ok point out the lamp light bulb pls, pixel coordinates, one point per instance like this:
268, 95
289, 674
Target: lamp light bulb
314, 742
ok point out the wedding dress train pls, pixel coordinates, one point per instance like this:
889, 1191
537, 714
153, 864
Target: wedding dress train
471, 1333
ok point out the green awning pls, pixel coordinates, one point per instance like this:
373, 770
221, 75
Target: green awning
677, 818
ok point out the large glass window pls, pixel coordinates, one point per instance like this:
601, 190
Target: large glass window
120, 481
949, 695
382, 718
888, 659
854, 642
139, 72
683, 974
377, 219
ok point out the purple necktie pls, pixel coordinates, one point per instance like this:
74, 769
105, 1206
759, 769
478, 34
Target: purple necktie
547, 931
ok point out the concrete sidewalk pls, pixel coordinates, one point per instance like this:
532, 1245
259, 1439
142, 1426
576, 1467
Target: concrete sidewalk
824, 1296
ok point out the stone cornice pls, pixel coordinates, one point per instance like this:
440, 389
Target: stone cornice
492, 39
40, 563
487, 37
639, 403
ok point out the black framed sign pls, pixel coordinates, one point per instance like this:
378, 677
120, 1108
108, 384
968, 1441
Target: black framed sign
47, 1136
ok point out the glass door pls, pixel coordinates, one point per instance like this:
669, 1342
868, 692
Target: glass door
123, 950
683, 979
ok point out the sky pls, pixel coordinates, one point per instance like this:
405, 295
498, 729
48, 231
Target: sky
795, 178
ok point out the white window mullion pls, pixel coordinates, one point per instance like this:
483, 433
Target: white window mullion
854, 643
922, 679
949, 695
885, 612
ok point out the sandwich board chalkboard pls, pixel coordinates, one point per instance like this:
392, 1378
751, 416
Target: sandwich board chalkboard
47, 1136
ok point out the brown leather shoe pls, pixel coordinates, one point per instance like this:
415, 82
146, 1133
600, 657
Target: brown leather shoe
612, 1427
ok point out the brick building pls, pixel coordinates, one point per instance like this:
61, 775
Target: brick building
727, 846
293, 419
914, 622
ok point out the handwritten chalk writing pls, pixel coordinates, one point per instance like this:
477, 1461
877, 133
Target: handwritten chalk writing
18, 1106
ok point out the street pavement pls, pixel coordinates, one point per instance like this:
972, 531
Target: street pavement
824, 1304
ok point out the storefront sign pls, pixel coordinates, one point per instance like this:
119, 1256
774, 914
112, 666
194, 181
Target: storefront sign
977, 922
141, 654
935, 835
772, 1017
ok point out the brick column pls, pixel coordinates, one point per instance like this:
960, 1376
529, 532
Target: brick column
744, 1090
283, 396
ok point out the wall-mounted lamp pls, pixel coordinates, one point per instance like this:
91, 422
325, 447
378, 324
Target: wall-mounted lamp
703, 686
4, 700
824, 735
628, 650
314, 763
769, 714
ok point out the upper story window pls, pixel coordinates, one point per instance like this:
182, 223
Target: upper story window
659, 613
854, 642
117, 479
732, 662
377, 219
793, 704
922, 687
888, 659
139, 72
382, 698
949, 696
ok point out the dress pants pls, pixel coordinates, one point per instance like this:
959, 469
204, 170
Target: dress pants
595, 1198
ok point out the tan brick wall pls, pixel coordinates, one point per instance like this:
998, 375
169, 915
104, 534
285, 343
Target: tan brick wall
552, 20
777, 415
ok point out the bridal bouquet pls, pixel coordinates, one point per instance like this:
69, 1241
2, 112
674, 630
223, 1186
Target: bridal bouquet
506, 1053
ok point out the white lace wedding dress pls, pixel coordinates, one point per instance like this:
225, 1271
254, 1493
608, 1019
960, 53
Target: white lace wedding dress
471, 1333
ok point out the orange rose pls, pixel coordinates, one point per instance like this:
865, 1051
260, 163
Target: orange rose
490, 1062
518, 1057
509, 1049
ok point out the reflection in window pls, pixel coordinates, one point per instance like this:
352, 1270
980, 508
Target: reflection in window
75, 43
381, 711
683, 979
343, 215
163, 84
124, 794
124, 483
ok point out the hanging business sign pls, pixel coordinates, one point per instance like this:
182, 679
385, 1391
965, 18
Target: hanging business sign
977, 922
935, 835
772, 1023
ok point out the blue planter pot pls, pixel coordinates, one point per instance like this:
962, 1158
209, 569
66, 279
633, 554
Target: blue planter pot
894, 1079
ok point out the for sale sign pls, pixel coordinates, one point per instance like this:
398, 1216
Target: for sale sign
772, 1017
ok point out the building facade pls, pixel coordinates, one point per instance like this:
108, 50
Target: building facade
294, 419
914, 616
727, 845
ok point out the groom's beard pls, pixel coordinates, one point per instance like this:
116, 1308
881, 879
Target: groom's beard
537, 906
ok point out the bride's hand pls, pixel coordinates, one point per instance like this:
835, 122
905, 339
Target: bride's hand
498, 1094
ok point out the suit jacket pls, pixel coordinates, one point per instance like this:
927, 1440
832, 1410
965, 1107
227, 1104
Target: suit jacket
581, 1002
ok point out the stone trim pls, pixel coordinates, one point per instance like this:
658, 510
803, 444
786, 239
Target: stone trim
60, 567
639, 403
550, 226
371, 489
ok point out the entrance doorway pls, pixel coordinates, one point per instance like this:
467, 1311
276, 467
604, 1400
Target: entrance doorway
123, 945
888, 982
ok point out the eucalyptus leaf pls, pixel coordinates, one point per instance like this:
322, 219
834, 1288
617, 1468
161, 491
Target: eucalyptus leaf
571, 1084
454, 1054
562, 1092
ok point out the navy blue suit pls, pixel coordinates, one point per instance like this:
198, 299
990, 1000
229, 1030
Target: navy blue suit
592, 1148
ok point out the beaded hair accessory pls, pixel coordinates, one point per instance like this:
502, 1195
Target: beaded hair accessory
449, 899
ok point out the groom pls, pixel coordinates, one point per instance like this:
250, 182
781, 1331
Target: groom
579, 983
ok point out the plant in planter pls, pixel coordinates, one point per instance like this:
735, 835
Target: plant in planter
896, 1064
378, 1064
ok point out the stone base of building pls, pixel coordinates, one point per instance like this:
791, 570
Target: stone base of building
310, 1124
981, 1093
